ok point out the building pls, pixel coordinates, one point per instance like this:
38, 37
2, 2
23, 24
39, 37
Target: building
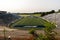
3, 12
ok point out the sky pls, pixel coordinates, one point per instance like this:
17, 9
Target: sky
25, 6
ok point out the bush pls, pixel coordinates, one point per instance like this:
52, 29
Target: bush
32, 31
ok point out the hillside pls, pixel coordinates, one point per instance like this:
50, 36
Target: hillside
5, 19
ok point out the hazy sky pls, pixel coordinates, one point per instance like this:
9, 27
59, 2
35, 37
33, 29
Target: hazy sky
29, 5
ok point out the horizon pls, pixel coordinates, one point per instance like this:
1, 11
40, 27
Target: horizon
29, 6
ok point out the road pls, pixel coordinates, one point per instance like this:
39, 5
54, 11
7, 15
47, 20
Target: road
55, 17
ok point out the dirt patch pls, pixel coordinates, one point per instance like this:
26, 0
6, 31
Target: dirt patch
17, 38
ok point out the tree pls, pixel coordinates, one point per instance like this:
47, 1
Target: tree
33, 32
59, 10
52, 11
50, 34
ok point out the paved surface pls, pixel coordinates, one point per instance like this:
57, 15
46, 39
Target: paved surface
54, 18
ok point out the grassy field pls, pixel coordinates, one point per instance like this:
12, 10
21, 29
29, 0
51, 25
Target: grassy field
32, 21
25, 15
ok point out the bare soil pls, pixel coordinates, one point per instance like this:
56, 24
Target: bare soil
22, 34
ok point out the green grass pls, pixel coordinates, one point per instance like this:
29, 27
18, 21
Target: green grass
38, 15
32, 21
25, 15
